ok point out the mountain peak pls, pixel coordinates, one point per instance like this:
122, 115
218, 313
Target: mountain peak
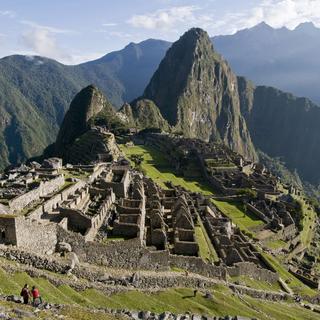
306, 26
262, 26
195, 32
85, 106
194, 36
196, 93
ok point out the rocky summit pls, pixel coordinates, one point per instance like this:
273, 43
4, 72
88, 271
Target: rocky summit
78, 135
197, 93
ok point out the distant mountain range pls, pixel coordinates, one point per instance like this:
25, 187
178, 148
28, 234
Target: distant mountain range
282, 58
35, 93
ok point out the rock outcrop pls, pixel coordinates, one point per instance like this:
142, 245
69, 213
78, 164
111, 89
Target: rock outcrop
197, 93
86, 105
143, 114
84, 136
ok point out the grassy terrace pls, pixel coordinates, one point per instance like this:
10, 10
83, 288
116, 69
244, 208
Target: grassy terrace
207, 251
260, 285
157, 167
296, 285
245, 221
309, 222
276, 244
175, 300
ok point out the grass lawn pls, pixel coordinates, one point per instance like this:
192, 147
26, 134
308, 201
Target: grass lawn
252, 283
158, 168
207, 251
276, 244
309, 222
245, 221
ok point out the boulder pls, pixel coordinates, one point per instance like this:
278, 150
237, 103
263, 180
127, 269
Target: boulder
23, 314
14, 298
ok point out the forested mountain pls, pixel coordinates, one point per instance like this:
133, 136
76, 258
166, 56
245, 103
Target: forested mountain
35, 92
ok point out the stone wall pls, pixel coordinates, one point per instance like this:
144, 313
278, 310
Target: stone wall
131, 255
97, 171
45, 188
54, 202
312, 283
36, 236
33, 259
33, 263
76, 220
197, 265
287, 233
118, 254
257, 212
120, 188
251, 270
102, 213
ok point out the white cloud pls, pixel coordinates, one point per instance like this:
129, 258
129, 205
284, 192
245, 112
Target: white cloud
164, 19
288, 12
277, 13
41, 40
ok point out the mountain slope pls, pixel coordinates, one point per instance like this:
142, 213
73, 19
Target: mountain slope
35, 93
197, 93
143, 114
283, 126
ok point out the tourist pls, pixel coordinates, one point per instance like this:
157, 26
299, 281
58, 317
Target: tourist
36, 296
195, 293
25, 294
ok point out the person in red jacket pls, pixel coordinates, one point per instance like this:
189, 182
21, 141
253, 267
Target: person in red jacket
36, 296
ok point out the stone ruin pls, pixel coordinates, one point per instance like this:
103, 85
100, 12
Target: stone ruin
108, 213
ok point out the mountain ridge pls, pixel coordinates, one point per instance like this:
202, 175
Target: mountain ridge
36, 93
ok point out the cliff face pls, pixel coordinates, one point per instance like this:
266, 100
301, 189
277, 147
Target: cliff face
197, 93
87, 106
283, 126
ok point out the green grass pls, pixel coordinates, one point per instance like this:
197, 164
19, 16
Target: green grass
206, 249
66, 312
175, 300
296, 285
158, 168
309, 222
257, 284
245, 221
276, 244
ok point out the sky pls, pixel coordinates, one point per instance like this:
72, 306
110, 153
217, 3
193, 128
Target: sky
75, 31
